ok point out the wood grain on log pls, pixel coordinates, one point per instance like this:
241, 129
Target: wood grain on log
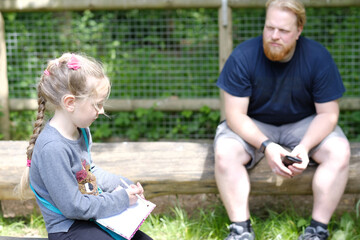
169, 168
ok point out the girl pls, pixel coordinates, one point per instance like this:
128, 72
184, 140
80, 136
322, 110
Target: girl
58, 157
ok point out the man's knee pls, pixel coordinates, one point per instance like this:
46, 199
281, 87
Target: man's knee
229, 152
336, 150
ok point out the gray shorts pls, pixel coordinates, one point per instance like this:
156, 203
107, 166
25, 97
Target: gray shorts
287, 135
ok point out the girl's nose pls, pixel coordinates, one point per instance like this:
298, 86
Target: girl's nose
101, 110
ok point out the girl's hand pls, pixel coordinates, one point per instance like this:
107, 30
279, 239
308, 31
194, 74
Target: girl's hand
134, 190
141, 189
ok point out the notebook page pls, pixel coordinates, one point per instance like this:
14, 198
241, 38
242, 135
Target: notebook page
130, 220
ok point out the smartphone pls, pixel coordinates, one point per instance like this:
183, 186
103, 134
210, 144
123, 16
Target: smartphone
289, 160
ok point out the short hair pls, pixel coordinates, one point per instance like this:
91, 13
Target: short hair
295, 6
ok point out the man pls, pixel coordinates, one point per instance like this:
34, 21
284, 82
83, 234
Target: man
280, 92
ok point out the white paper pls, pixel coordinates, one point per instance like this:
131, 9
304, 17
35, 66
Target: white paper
130, 220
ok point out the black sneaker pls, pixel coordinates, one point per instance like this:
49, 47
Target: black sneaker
239, 233
314, 234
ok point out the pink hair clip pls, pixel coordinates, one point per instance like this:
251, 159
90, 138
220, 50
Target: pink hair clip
46, 72
28, 163
73, 63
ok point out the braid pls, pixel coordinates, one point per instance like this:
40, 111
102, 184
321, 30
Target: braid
39, 123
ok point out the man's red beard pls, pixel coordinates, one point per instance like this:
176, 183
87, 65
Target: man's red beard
276, 54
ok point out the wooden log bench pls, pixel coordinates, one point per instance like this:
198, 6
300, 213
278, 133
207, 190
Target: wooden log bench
168, 168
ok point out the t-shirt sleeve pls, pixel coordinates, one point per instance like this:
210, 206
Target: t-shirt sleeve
234, 78
328, 85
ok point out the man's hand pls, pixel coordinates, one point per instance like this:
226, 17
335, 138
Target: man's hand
300, 152
274, 154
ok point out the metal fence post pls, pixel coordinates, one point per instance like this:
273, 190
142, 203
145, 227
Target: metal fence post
225, 42
4, 89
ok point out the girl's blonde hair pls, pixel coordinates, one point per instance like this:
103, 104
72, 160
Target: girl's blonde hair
295, 6
69, 74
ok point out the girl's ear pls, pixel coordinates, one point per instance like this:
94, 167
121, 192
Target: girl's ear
69, 102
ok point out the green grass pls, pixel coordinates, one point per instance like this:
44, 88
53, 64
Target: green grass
23, 226
209, 224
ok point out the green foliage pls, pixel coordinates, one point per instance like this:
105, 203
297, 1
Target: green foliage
138, 125
357, 209
345, 229
102, 132
199, 123
204, 224
141, 123
33, 225
146, 53
22, 124
154, 54
145, 124
328, 27
277, 226
209, 223
350, 123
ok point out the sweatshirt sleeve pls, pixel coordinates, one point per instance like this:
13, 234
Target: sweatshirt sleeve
106, 180
58, 174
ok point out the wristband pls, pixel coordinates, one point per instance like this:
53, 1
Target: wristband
264, 145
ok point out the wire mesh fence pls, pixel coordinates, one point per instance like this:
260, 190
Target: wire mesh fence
151, 54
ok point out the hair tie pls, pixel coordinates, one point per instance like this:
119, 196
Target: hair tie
73, 62
28, 163
46, 72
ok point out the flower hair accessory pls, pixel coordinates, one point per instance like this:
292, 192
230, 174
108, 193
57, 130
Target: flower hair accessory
46, 72
28, 162
73, 63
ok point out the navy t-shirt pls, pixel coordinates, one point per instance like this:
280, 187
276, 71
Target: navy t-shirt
281, 93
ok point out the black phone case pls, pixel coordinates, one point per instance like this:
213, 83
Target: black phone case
289, 160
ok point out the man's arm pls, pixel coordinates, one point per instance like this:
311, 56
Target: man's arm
323, 124
239, 122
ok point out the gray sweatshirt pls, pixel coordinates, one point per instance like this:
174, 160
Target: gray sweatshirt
54, 164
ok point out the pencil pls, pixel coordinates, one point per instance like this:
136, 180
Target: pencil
137, 195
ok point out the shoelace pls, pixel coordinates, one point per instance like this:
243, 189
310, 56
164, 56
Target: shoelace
237, 236
317, 235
